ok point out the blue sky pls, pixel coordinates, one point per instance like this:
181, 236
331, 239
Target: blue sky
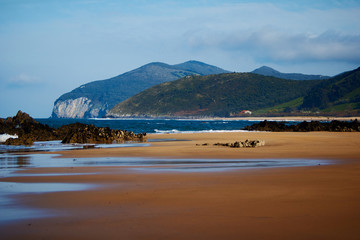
50, 47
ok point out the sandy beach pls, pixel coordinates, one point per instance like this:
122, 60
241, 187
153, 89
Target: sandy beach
316, 202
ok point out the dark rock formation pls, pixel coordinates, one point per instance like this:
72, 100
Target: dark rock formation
28, 131
268, 126
25, 140
83, 133
246, 144
333, 126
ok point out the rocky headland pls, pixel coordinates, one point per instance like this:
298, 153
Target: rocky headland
29, 130
333, 126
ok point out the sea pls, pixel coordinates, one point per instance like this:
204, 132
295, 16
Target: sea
161, 126
136, 125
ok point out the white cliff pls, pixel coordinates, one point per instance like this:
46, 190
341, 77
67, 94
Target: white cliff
72, 108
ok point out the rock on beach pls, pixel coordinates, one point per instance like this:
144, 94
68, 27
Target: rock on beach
28, 131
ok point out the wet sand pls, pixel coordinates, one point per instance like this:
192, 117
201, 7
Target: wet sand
318, 202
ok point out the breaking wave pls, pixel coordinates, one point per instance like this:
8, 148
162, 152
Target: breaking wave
5, 136
157, 131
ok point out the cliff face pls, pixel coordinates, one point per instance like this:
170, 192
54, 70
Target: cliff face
96, 98
81, 107
72, 108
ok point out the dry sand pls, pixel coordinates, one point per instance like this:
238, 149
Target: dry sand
318, 202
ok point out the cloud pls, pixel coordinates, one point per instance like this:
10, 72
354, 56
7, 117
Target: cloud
275, 45
268, 33
24, 80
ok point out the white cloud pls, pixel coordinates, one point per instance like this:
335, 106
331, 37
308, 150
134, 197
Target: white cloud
23, 80
267, 32
276, 45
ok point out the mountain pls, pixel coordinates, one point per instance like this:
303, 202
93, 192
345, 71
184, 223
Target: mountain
199, 67
268, 71
96, 98
340, 93
213, 95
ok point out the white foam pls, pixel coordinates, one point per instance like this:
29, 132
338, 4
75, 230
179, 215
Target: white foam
157, 131
166, 131
5, 136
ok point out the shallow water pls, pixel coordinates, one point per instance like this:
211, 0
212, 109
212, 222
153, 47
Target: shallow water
11, 210
11, 162
12, 165
54, 146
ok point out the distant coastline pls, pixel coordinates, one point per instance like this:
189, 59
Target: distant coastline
284, 118
293, 118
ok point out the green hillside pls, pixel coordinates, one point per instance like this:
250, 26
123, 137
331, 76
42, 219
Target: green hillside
338, 94
283, 108
214, 95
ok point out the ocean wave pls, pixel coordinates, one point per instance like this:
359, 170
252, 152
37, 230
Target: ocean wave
166, 131
157, 131
4, 137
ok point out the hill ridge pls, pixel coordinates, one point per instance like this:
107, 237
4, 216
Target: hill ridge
342, 89
268, 71
220, 95
96, 98
228, 94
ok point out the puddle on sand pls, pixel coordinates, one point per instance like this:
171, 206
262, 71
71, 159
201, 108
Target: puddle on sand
17, 188
56, 145
218, 165
53, 146
13, 211
11, 162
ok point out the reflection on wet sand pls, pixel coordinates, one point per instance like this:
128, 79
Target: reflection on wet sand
14, 161
12, 211
13, 165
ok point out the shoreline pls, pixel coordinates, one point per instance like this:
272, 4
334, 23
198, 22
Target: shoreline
290, 118
316, 202
329, 145
247, 118
297, 118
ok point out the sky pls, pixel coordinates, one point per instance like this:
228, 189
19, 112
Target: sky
49, 47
